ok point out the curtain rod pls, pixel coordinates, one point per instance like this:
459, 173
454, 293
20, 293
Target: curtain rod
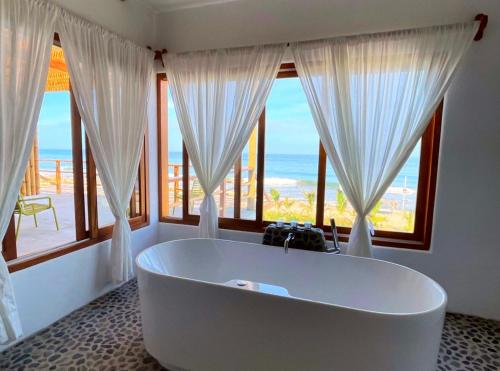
481, 17
158, 54
483, 22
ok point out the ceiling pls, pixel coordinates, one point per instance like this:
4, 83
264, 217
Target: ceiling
171, 5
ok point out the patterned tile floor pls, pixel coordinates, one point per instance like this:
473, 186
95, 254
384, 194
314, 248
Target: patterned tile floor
106, 335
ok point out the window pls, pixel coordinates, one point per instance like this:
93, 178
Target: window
174, 173
291, 155
246, 179
61, 205
283, 174
394, 212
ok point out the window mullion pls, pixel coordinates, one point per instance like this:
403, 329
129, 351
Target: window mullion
9, 248
185, 182
320, 196
143, 180
132, 203
426, 187
162, 116
237, 188
91, 192
260, 167
78, 184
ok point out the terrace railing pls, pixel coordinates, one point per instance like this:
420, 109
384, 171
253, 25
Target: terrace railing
224, 192
58, 171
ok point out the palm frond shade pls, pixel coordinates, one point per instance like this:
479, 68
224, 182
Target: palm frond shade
58, 77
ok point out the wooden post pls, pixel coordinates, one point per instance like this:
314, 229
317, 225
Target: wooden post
252, 167
36, 163
176, 184
32, 173
31, 181
27, 177
58, 176
222, 198
23, 186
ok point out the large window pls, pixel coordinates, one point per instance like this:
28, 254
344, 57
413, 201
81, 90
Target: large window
283, 174
61, 205
290, 155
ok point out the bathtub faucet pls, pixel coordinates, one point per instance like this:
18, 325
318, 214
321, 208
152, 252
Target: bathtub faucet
290, 238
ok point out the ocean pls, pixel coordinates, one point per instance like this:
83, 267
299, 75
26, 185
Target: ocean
304, 168
279, 168
54, 154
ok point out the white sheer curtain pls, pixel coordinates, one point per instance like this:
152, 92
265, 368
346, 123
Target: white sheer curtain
218, 96
371, 98
111, 80
26, 35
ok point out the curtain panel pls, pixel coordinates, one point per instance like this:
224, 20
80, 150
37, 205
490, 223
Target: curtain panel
372, 97
26, 35
111, 80
218, 97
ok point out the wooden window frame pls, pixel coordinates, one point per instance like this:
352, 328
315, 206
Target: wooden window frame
426, 189
84, 236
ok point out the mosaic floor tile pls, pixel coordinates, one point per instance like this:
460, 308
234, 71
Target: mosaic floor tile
106, 335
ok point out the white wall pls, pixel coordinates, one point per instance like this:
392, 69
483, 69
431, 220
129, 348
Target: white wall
465, 251
132, 19
251, 22
49, 291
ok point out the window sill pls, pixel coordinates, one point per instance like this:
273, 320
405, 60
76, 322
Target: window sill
410, 242
37, 258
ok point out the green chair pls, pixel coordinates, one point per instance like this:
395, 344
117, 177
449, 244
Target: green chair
178, 194
27, 207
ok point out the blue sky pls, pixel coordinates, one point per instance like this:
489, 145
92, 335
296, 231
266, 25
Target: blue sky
286, 110
54, 125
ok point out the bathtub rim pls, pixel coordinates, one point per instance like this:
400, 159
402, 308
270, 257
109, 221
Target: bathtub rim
442, 303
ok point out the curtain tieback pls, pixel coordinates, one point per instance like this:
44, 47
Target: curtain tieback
371, 227
121, 222
364, 218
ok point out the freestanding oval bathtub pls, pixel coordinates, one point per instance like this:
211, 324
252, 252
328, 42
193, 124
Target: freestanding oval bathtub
225, 305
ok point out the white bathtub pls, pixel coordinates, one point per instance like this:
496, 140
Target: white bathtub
297, 311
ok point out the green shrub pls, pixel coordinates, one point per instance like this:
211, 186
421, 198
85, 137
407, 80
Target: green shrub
341, 201
275, 195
